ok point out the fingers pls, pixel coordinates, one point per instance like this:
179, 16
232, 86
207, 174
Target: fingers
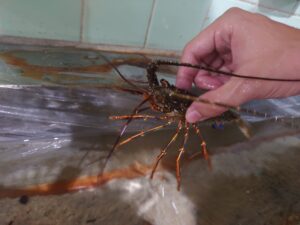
200, 48
217, 46
207, 82
212, 43
233, 93
210, 47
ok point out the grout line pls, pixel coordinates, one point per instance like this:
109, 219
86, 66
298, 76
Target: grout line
4, 39
149, 22
82, 9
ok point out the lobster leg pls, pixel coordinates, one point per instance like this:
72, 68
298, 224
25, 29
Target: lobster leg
137, 116
163, 151
181, 152
127, 117
135, 111
203, 146
244, 127
142, 133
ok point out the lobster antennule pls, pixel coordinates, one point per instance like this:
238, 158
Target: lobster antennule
151, 74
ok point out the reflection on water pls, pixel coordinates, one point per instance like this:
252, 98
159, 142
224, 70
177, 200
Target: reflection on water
53, 140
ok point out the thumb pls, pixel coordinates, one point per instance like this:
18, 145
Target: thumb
233, 93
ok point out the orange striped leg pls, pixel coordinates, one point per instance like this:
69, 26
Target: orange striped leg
163, 151
181, 152
122, 131
137, 116
142, 133
203, 146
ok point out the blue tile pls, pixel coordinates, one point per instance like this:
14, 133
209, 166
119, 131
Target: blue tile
55, 19
116, 22
176, 22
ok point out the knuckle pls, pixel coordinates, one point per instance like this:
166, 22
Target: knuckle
188, 48
234, 11
236, 14
187, 53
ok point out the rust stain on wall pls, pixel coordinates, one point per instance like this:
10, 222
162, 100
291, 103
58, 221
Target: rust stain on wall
38, 71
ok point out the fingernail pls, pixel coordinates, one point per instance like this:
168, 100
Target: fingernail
193, 116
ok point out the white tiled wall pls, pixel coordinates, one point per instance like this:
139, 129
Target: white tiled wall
284, 11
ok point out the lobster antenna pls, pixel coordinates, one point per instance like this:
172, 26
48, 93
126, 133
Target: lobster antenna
121, 75
209, 69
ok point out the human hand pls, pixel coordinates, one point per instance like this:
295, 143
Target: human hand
242, 43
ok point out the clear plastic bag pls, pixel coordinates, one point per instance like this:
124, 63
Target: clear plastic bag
54, 137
